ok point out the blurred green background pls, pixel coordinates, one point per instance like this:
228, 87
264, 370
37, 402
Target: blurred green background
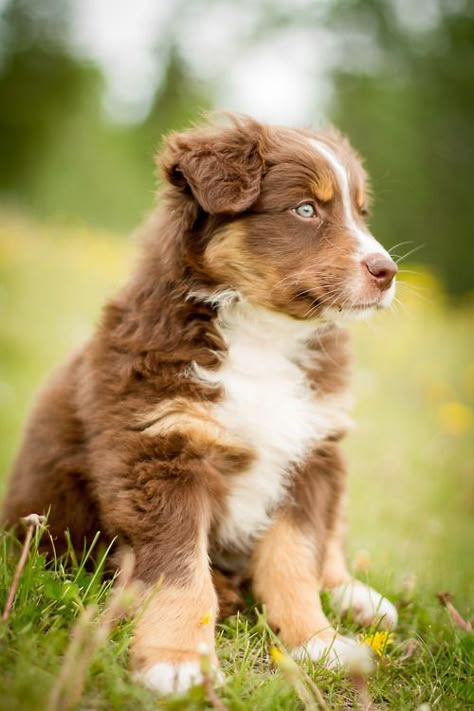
87, 89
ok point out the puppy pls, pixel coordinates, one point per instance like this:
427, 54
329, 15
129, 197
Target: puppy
200, 424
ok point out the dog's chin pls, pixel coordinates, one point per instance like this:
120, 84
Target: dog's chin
358, 310
347, 314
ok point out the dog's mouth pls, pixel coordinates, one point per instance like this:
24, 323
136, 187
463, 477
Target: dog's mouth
361, 307
321, 304
348, 312
340, 306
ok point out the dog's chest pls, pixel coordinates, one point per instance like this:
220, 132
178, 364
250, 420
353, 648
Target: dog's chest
268, 404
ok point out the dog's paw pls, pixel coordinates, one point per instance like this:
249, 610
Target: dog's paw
366, 605
333, 652
169, 678
175, 678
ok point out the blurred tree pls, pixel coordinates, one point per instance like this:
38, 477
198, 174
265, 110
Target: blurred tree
39, 82
104, 172
179, 100
60, 155
412, 117
405, 96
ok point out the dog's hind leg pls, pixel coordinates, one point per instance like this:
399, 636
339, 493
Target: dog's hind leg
347, 595
50, 474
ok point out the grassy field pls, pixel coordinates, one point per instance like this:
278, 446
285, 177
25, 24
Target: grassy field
411, 514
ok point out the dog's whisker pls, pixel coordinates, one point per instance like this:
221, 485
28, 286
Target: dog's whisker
407, 254
399, 244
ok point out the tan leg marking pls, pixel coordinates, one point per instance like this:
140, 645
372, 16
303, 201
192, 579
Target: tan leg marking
366, 605
177, 619
334, 569
175, 622
283, 569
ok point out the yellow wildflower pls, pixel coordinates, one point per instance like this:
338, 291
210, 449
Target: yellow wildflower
455, 417
378, 641
206, 619
276, 655
285, 663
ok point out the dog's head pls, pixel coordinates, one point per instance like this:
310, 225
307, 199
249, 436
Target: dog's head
279, 215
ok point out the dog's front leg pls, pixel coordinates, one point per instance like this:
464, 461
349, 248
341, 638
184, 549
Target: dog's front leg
176, 626
162, 510
283, 569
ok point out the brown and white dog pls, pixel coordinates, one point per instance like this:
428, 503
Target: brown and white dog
200, 424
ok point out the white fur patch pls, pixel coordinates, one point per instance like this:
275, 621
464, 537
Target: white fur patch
269, 405
167, 678
365, 603
333, 653
367, 243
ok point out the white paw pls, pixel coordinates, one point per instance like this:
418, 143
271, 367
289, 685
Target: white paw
167, 678
365, 603
333, 652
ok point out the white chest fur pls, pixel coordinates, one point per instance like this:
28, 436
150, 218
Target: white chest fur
268, 404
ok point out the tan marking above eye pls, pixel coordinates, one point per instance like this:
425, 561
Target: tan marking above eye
361, 202
323, 188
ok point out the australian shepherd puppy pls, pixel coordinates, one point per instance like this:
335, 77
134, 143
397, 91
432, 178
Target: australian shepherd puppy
200, 425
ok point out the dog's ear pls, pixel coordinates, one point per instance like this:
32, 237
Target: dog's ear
222, 166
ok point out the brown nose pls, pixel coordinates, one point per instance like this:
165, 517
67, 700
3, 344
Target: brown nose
382, 269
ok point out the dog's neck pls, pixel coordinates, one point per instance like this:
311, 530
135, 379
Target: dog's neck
251, 325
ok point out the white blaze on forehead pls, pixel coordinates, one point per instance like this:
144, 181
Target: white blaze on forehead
367, 243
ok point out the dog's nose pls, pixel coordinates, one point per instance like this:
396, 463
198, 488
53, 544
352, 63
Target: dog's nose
382, 269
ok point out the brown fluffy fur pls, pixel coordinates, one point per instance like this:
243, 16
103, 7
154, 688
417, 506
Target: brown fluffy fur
123, 441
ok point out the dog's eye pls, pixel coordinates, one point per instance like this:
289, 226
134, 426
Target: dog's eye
305, 210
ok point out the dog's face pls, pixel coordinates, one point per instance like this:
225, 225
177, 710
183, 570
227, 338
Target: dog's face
284, 218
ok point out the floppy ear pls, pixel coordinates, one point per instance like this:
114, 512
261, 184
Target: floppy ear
222, 166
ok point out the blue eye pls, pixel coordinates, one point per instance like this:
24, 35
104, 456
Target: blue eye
305, 210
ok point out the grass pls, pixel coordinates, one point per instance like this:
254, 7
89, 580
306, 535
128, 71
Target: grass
411, 515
